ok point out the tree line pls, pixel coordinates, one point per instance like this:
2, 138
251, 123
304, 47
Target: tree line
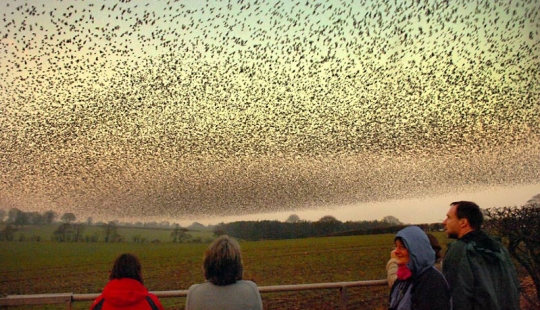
70, 231
294, 228
19, 218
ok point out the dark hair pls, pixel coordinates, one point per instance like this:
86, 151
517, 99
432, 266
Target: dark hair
435, 246
223, 261
400, 239
126, 266
471, 211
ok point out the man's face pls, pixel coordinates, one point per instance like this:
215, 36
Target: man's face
452, 225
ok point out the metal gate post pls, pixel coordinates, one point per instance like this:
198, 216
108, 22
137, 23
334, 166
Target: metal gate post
343, 291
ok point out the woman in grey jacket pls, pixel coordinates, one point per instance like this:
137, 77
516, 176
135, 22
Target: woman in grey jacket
419, 284
224, 288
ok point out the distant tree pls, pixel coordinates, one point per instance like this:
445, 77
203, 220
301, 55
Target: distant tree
219, 231
327, 225
179, 233
22, 219
12, 215
2, 215
63, 233
68, 217
391, 220
89, 221
17, 217
50, 216
91, 238
150, 224
293, 218
110, 231
78, 230
534, 200
8, 233
36, 218
197, 226
519, 227
165, 224
436, 227
328, 219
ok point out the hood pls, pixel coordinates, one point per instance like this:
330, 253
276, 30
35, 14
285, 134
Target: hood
124, 292
421, 255
481, 243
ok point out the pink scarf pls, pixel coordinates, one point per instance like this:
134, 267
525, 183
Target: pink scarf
403, 273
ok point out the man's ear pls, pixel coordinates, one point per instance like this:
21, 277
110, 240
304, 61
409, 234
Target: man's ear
464, 222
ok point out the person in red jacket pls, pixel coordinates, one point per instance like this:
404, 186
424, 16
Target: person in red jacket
125, 289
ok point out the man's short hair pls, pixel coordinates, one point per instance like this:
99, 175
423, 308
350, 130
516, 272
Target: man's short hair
223, 261
471, 211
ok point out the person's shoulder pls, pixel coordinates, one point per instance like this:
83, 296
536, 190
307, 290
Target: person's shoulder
433, 272
456, 245
247, 283
433, 278
454, 256
156, 300
153, 296
96, 301
196, 286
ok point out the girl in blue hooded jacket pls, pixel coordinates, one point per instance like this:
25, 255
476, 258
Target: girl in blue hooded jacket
419, 284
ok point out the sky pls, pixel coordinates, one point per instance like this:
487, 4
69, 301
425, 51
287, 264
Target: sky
408, 211
222, 110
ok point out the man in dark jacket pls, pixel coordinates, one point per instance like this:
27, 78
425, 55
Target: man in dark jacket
477, 267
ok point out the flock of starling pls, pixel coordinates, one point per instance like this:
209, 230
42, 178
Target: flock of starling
197, 109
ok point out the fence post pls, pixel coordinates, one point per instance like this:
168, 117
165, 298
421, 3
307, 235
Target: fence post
343, 291
70, 302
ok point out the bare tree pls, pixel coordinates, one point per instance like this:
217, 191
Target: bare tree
12, 215
110, 231
78, 230
179, 233
519, 227
50, 216
36, 218
68, 217
17, 217
8, 233
63, 232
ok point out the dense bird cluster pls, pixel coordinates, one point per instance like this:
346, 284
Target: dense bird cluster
185, 109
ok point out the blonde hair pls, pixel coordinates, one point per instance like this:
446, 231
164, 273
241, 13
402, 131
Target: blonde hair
222, 261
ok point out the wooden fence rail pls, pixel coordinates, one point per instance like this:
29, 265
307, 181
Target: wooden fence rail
69, 298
